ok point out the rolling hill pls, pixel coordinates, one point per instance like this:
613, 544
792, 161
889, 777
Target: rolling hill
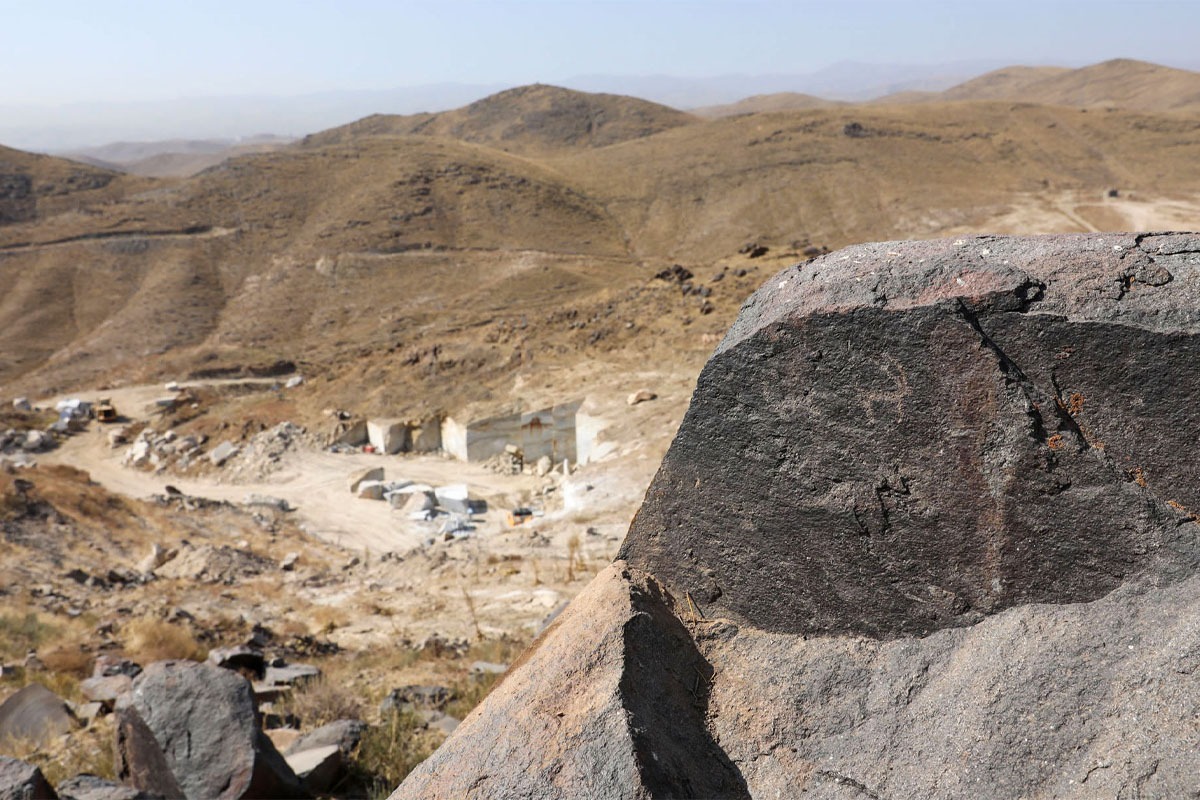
423, 269
1120, 83
528, 119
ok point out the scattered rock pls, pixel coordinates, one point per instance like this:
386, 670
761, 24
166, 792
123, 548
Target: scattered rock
318, 768
640, 396
21, 404
373, 475
292, 674
412, 499
676, 274
410, 698
543, 466
222, 453
35, 442
753, 250
153, 560
293, 382
370, 490
106, 666
23, 781
289, 561
34, 713
345, 734
192, 729
268, 501
105, 690
90, 787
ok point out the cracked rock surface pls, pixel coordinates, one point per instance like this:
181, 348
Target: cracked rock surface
907, 436
926, 531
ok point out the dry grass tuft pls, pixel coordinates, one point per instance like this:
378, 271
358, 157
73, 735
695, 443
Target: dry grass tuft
391, 750
322, 701
148, 640
85, 751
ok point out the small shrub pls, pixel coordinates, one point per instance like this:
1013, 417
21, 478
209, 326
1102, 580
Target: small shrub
68, 660
148, 640
87, 751
322, 701
326, 619
20, 633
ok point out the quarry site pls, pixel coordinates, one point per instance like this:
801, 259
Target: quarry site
567, 444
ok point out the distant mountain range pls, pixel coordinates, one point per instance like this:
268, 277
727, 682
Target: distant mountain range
61, 129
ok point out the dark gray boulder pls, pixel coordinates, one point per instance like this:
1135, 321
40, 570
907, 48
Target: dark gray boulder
902, 437
345, 733
20, 780
34, 713
188, 729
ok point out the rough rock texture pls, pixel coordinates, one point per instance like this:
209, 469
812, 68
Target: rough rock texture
625, 717
34, 713
23, 781
925, 532
345, 733
90, 787
189, 729
907, 436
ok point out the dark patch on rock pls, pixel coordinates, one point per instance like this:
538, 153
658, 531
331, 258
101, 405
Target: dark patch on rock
963, 445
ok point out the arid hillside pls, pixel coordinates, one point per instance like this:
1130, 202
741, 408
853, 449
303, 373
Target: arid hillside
528, 119
417, 264
1120, 83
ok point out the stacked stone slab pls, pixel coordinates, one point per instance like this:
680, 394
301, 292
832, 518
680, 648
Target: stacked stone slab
928, 530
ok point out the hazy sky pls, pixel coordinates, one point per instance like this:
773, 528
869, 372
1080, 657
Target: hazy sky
62, 51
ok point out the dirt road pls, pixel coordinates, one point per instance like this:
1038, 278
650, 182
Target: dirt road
315, 483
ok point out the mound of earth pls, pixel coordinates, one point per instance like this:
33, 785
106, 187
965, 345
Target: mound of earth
925, 531
526, 119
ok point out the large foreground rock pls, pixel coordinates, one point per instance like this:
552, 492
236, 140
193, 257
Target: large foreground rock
926, 531
189, 729
906, 436
626, 718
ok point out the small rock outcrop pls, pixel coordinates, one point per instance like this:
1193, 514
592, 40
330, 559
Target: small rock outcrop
188, 729
928, 530
20, 780
34, 713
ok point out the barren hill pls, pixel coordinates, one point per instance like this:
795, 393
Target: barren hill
33, 186
532, 119
421, 270
1120, 83
780, 101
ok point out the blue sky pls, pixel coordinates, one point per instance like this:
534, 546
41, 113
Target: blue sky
68, 51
